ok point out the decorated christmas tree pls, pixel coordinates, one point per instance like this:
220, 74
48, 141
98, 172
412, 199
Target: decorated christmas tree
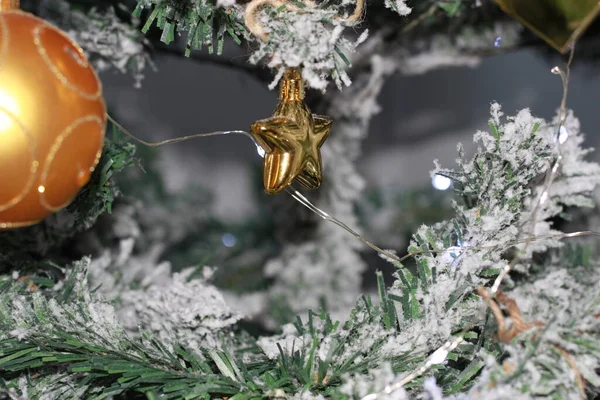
114, 287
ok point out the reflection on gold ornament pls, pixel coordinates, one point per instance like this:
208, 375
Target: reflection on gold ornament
558, 22
52, 118
292, 139
9, 5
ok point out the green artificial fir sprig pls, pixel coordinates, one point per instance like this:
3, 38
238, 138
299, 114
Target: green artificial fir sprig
203, 21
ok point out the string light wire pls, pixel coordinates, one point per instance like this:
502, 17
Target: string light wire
552, 173
300, 198
175, 140
305, 202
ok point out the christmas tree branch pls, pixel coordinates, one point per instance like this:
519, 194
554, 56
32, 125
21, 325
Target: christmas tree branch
60, 338
68, 331
465, 30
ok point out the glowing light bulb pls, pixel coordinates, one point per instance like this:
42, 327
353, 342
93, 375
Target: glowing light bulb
441, 182
438, 356
228, 240
563, 134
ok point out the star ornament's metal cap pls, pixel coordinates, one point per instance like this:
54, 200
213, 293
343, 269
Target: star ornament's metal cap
292, 86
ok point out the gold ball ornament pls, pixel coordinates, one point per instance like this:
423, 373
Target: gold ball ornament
52, 118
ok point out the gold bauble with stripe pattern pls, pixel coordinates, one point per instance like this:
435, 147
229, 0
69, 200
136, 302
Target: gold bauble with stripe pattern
52, 118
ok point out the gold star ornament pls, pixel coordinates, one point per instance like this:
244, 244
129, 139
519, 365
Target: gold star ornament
291, 139
558, 22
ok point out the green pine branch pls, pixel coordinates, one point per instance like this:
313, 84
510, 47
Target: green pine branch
98, 195
203, 21
66, 332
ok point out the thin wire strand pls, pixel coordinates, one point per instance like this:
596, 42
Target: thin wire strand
305, 202
293, 192
175, 140
440, 354
506, 246
299, 197
552, 174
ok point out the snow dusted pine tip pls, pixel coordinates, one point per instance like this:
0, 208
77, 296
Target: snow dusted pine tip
190, 311
33, 314
399, 6
357, 386
568, 325
501, 189
313, 40
108, 42
500, 186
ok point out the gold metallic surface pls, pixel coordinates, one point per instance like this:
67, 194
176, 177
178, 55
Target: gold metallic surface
6, 5
52, 119
558, 22
292, 139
